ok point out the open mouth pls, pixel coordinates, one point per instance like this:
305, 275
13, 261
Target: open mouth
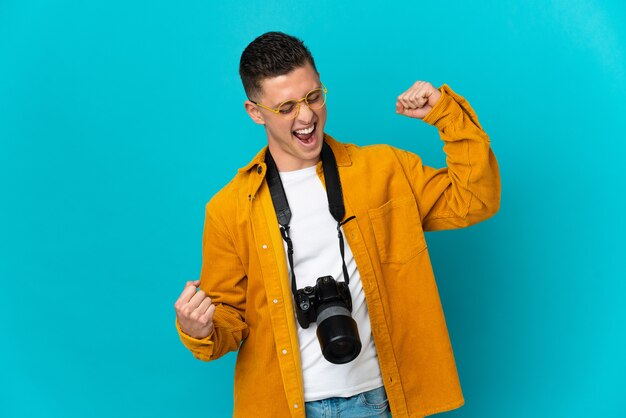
306, 135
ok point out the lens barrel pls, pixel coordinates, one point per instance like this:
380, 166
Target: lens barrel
338, 334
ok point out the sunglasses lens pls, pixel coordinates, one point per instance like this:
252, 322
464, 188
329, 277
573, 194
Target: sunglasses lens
288, 109
316, 99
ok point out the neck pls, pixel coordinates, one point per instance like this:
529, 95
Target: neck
285, 162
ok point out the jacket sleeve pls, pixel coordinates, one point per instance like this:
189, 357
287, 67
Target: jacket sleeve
467, 191
223, 279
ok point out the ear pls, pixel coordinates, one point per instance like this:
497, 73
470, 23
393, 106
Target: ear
253, 112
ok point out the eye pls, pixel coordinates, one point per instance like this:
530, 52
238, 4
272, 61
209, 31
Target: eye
287, 107
314, 96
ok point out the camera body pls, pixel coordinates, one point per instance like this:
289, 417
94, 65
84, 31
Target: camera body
330, 305
327, 292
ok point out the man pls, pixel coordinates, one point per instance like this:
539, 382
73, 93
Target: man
399, 358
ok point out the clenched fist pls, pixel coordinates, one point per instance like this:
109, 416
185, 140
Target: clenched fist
418, 100
194, 311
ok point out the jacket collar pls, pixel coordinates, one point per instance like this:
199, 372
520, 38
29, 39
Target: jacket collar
339, 149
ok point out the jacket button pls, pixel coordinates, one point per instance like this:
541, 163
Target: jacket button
259, 169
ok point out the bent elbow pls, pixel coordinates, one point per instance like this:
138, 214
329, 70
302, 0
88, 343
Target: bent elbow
491, 205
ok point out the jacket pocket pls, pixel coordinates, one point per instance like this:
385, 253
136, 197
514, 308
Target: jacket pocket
398, 230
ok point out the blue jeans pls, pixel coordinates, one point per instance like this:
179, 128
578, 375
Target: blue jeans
372, 403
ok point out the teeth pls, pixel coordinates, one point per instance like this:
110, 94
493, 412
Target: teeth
306, 131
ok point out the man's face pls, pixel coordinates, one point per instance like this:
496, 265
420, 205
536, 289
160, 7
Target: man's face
291, 144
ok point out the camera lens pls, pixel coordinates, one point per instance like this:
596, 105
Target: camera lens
341, 348
338, 335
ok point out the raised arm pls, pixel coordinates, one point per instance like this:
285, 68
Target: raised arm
467, 191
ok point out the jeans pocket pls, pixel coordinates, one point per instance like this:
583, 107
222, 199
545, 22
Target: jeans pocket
375, 398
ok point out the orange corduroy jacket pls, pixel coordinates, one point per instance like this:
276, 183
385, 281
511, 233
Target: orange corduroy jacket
395, 198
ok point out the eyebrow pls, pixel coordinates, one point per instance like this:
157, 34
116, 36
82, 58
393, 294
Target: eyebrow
279, 103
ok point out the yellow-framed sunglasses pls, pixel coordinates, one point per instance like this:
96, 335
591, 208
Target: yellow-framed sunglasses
289, 109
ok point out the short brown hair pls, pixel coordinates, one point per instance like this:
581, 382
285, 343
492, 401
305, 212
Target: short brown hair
270, 55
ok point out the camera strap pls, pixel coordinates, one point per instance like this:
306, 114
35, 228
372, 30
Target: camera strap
283, 213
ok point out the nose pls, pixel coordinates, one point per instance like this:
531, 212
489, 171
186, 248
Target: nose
305, 114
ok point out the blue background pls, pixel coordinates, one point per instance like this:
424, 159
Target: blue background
119, 120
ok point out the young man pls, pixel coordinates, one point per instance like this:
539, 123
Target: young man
387, 352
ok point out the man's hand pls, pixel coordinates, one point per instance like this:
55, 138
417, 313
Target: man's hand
194, 311
418, 100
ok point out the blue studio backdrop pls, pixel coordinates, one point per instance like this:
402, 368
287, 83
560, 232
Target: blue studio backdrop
119, 120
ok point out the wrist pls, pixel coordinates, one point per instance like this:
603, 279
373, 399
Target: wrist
443, 108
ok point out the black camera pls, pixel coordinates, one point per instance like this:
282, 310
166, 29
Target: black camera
329, 303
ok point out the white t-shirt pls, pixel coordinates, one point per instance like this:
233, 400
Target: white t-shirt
313, 231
